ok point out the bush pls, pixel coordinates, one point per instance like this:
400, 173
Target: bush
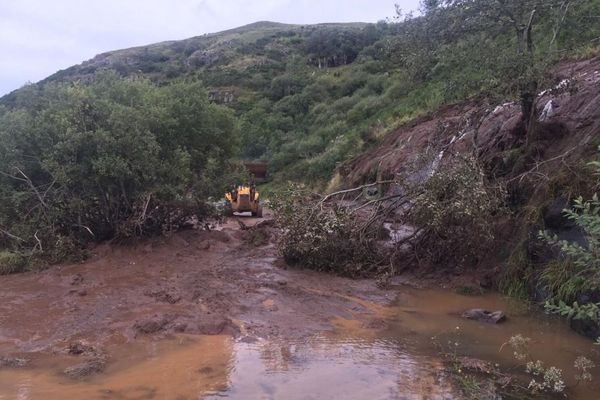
583, 261
323, 238
11, 262
114, 157
455, 213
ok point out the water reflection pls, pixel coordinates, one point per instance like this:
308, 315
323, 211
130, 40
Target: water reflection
352, 362
326, 368
319, 367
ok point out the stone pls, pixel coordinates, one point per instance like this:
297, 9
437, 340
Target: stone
479, 314
85, 369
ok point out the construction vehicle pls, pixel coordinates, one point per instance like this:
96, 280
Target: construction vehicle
243, 199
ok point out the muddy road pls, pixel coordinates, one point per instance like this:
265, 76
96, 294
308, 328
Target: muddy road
212, 314
196, 282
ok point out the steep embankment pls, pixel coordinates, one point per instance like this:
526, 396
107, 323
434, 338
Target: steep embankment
569, 116
542, 171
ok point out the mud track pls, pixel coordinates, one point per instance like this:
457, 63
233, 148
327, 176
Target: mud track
196, 282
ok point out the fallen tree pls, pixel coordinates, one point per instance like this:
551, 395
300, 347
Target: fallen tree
446, 215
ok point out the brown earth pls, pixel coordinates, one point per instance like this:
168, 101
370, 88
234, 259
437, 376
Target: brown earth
197, 282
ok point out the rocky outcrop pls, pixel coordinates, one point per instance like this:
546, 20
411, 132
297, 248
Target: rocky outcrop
221, 96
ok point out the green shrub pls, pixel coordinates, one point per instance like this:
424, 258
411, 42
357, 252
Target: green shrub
323, 238
455, 211
11, 262
583, 261
112, 157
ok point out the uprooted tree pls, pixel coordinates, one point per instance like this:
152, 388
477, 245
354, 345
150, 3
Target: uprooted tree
446, 219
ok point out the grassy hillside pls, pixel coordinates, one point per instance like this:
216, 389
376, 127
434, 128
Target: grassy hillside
311, 97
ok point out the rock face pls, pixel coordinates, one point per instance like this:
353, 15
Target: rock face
479, 314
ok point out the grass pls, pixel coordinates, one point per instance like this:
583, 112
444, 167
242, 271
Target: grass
515, 280
11, 262
562, 281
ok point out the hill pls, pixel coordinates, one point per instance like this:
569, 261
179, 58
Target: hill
309, 97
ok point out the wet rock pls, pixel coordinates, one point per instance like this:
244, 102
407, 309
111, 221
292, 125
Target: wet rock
204, 245
180, 327
249, 339
556, 221
81, 347
479, 314
586, 327
152, 325
10, 362
85, 369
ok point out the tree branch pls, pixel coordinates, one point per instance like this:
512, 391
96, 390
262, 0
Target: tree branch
329, 196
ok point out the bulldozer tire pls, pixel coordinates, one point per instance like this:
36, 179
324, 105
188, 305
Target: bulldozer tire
259, 213
228, 212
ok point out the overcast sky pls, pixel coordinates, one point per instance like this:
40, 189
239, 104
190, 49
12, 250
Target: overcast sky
39, 37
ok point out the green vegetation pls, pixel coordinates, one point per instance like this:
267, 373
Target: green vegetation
134, 141
576, 271
310, 97
116, 157
325, 237
453, 212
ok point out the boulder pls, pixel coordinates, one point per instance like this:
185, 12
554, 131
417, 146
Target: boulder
479, 314
85, 369
8, 362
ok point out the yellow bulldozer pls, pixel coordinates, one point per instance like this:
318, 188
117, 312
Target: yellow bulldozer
244, 199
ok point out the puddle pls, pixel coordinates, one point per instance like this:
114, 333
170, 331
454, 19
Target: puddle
358, 360
182, 368
425, 317
332, 368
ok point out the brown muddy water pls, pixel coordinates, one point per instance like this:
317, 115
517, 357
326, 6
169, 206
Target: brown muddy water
392, 354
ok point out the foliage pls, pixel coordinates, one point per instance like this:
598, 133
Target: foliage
324, 238
128, 143
590, 311
583, 259
113, 157
310, 97
583, 365
543, 379
516, 275
454, 212
11, 262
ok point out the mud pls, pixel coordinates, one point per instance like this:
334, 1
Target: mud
194, 282
212, 314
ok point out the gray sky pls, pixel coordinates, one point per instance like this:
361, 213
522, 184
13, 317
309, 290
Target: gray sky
39, 37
